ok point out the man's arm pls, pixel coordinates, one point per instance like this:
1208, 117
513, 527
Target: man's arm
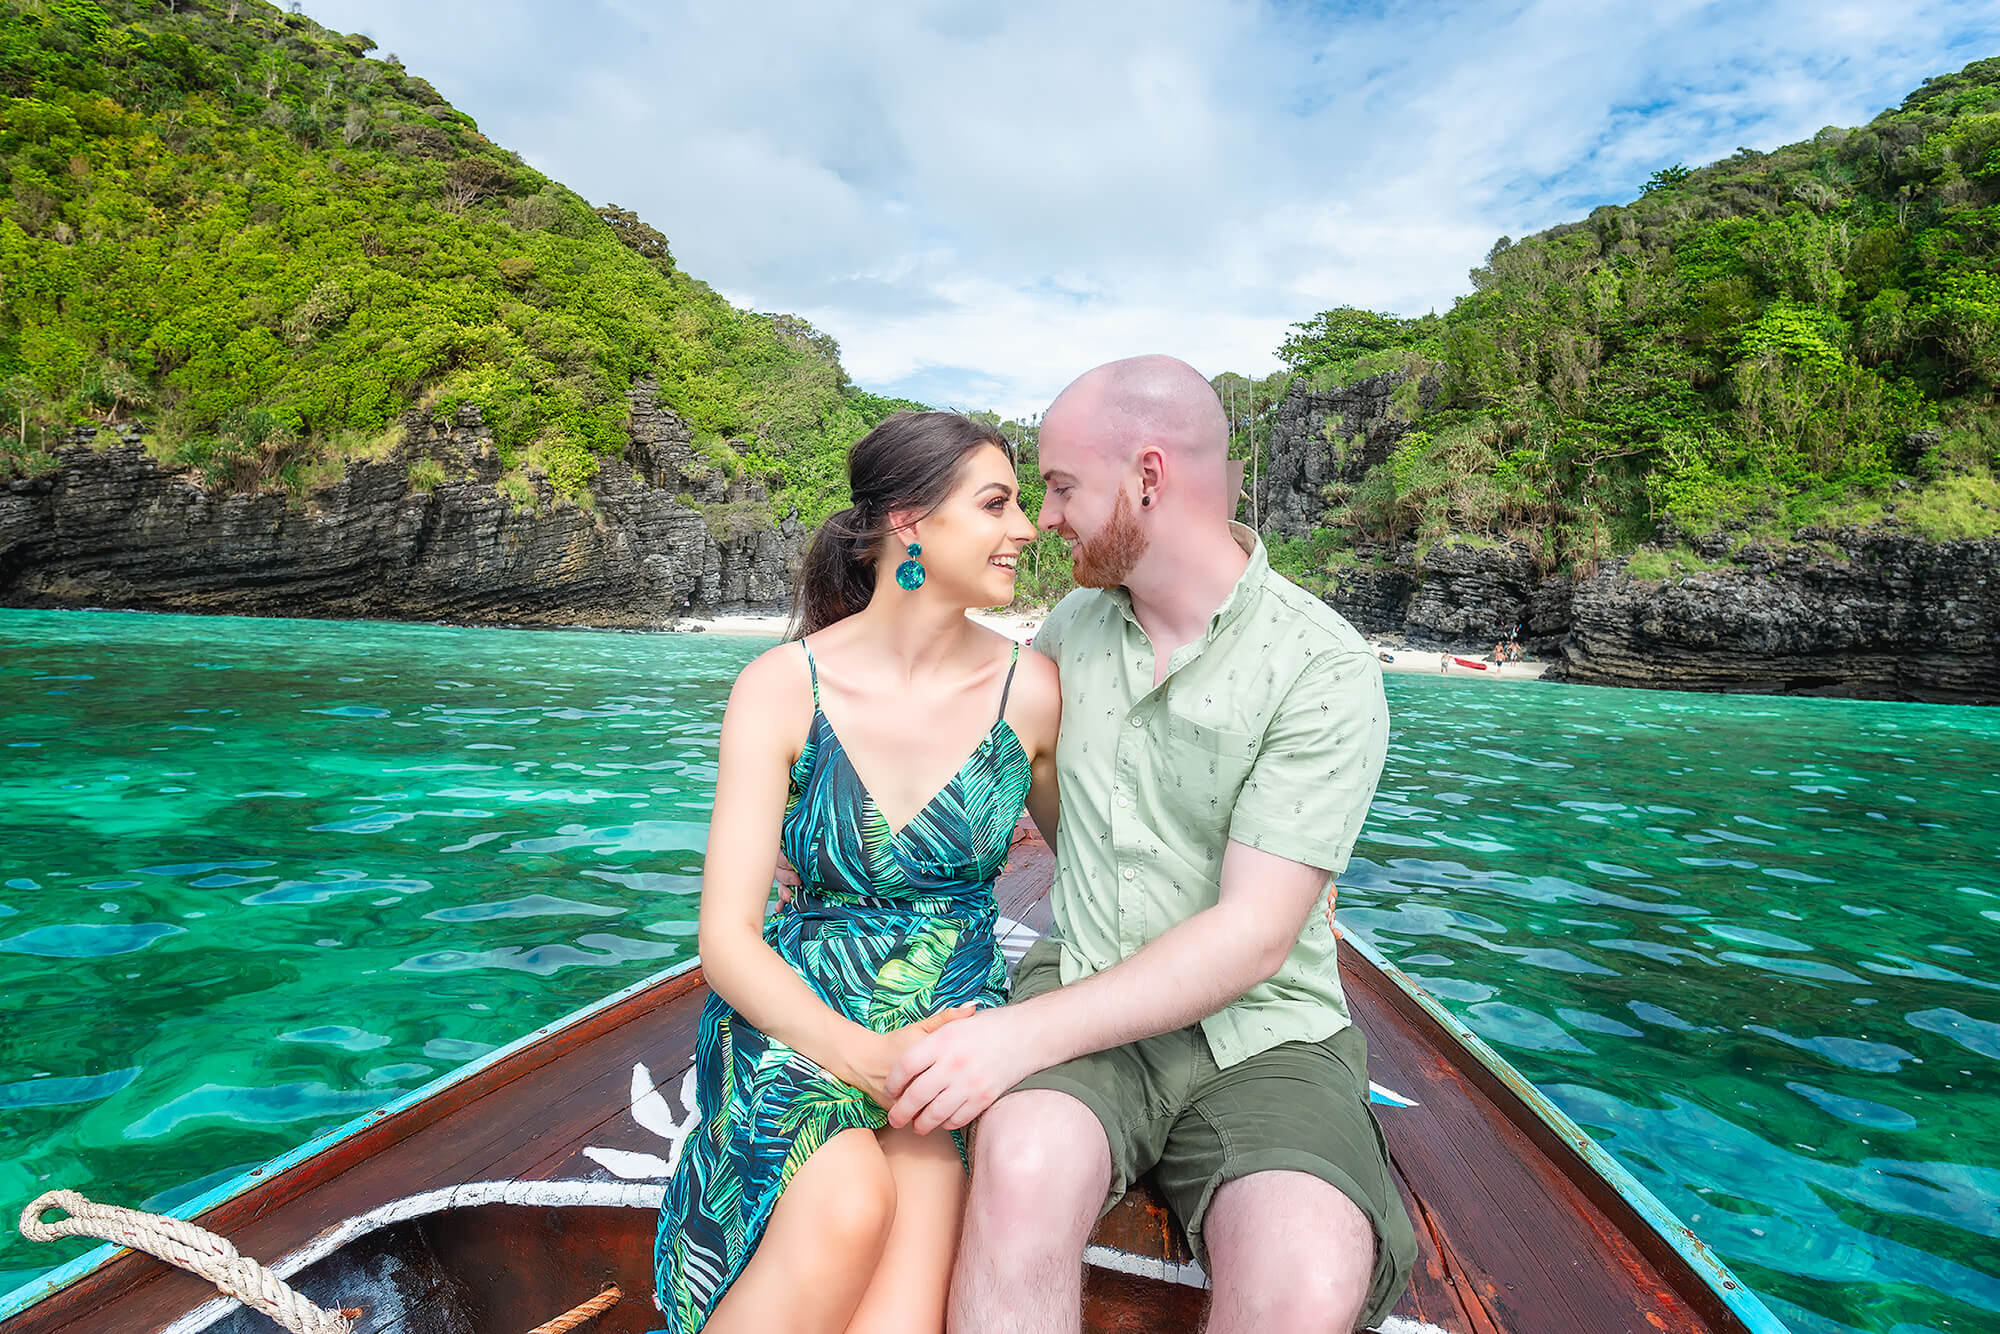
1183, 975
1293, 825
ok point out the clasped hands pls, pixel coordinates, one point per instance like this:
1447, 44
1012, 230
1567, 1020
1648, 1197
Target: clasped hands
940, 1072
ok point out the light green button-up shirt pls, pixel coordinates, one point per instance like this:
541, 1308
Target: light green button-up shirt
1270, 730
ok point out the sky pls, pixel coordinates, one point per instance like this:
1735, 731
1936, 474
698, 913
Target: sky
980, 201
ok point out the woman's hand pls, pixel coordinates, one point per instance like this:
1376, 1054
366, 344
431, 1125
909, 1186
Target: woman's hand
786, 878
875, 1054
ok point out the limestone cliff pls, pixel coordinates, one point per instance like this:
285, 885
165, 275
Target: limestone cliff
1321, 438
1875, 613
110, 527
1871, 614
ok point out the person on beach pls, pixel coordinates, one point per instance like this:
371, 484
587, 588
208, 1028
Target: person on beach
1222, 735
888, 750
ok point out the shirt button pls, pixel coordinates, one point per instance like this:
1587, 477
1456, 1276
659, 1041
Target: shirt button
1123, 802
1135, 721
1128, 873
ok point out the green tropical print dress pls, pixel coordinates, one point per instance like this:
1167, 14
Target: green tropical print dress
888, 927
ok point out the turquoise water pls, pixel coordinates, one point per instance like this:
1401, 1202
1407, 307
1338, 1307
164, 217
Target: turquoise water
1748, 943
257, 876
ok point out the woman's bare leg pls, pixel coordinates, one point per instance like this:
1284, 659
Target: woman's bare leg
823, 1244
908, 1291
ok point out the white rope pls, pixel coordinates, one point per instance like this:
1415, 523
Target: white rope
191, 1248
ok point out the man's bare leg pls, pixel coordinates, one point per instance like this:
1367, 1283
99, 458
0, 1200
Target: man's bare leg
1287, 1254
1041, 1166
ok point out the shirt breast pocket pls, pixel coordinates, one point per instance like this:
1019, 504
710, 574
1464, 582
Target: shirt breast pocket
1203, 771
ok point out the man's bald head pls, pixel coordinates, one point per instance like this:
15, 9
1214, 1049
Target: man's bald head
1136, 456
1123, 407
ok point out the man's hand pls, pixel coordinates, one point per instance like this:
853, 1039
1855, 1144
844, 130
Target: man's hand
868, 1068
950, 1077
786, 877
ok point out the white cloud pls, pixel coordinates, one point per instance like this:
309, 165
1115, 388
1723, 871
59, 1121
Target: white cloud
980, 201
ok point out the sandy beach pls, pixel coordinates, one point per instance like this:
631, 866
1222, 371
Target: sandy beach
1448, 664
1022, 625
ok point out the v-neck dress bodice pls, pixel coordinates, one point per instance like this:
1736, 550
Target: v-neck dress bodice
943, 860
888, 927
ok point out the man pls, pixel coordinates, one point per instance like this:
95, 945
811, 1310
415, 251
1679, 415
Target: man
1222, 734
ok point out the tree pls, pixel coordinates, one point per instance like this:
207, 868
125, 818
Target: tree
1245, 402
800, 333
648, 241
1338, 335
123, 389
473, 179
24, 395
1666, 178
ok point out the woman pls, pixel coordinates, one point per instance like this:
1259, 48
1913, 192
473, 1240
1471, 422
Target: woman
888, 753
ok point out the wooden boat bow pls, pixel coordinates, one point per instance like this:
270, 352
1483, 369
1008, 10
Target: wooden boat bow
531, 1177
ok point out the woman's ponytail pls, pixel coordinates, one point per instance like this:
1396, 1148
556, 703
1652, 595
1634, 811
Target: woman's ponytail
837, 576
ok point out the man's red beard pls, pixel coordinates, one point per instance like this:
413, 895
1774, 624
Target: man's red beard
1108, 559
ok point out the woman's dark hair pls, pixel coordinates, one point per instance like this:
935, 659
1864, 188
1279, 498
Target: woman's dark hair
910, 462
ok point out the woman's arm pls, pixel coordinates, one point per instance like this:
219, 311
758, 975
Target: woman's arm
1035, 718
761, 731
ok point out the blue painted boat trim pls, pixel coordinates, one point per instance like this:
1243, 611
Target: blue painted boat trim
27, 1295
1741, 1301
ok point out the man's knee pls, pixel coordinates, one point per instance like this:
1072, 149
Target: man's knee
1287, 1253
1283, 1290
1315, 1302
1040, 1154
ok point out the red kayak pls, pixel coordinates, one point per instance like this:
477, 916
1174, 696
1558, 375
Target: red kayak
1471, 662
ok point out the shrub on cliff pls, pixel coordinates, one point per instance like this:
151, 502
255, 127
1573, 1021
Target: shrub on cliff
226, 220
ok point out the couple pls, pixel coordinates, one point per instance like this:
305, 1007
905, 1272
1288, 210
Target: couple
1221, 736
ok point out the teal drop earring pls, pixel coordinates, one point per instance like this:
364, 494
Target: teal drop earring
910, 574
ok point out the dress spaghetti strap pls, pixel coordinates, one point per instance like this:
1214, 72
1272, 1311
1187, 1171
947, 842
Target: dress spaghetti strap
1009, 686
813, 667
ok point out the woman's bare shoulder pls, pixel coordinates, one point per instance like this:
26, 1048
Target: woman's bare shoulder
1035, 672
1034, 706
775, 682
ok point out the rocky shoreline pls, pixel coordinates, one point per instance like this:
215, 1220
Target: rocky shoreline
1887, 617
111, 527
1874, 613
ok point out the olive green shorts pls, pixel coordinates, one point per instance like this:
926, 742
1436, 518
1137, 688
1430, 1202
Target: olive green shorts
1166, 1108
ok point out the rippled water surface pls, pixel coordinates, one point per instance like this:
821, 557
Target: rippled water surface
1748, 943
257, 876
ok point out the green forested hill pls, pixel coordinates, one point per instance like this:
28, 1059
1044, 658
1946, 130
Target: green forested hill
1808, 336
231, 225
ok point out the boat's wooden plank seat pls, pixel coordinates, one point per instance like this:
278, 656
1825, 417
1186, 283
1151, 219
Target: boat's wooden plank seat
1507, 1242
